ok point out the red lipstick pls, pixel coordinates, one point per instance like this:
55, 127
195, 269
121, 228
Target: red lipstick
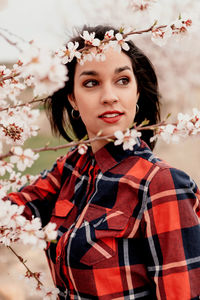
111, 116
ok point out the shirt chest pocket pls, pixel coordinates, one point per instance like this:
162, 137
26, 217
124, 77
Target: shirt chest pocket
96, 238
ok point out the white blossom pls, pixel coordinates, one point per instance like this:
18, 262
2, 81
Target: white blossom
4, 71
128, 139
68, 53
86, 56
23, 158
5, 167
18, 124
11, 89
10, 219
49, 293
17, 181
161, 35
109, 34
32, 234
44, 71
181, 26
90, 38
82, 148
12, 130
50, 231
120, 43
4, 187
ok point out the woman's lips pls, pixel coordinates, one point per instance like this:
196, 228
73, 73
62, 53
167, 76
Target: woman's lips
111, 116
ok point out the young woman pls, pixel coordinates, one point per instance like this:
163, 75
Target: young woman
127, 222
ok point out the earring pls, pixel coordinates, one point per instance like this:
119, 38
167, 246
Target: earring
75, 114
137, 108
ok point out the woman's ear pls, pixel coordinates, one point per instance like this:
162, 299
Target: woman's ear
72, 101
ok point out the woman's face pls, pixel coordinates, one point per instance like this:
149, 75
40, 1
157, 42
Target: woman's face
105, 93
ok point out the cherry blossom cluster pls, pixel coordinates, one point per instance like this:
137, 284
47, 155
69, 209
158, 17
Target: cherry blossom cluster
15, 181
187, 125
17, 125
180, 27
118, 41
14, 227
37, 68
36, 287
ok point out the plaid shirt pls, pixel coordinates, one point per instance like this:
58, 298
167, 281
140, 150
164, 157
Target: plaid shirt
128, 225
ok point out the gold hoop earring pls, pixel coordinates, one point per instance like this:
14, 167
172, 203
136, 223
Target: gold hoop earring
137, 108
75, 114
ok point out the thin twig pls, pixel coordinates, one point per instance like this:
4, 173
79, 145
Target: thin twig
23, 262
23, 104
8, 77
14, 34
15, 44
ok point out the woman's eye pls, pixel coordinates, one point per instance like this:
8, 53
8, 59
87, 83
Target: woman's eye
90, 83
123, 81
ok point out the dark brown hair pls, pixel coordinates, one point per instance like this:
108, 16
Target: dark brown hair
149, 108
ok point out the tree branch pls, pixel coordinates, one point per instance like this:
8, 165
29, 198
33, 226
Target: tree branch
23, 104
32, 274
89, 141
15, 44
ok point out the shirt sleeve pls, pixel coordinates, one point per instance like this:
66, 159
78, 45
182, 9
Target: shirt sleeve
39, 198
171, 228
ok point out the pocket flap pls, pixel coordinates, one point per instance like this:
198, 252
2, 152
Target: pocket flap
62, 208
105, 219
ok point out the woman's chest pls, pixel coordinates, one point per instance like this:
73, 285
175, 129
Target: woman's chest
91, 215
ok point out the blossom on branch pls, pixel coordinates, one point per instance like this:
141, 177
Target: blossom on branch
13, 131
18, 124
5, 167
181, 26
50, 232
128, 139
82, 148
187, 125
42, 70
161, 35
15, 227
23, 158
109, 34
68, 53
90, 38
16, 180
4, 71
120, 43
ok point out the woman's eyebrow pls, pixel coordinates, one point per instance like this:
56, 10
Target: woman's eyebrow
94, 73
121, 69
88, 73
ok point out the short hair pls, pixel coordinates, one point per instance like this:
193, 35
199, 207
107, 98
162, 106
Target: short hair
59, 108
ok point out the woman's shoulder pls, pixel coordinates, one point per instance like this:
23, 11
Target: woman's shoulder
152, 170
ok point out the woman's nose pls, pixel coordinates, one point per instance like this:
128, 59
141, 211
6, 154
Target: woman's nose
108, 96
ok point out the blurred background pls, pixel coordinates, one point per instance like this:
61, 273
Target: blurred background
51, 23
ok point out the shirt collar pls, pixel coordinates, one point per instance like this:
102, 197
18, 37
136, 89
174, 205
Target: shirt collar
110, 155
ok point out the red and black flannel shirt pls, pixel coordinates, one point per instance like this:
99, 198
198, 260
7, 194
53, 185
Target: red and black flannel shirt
128, 225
